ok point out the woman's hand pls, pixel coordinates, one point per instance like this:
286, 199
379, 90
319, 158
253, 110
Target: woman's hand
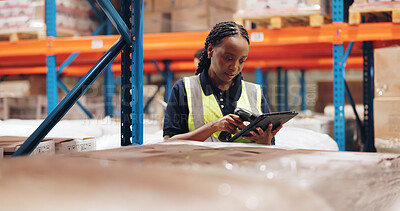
263, 137
228, 123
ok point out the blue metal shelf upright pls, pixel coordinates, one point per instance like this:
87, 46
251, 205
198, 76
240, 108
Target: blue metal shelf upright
338, 80
51, 78
132, 76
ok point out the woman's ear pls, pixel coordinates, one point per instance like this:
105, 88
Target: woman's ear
210, 51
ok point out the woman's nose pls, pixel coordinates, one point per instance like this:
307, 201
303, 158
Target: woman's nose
236, 65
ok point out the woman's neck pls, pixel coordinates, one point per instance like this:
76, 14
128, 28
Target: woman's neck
222, 85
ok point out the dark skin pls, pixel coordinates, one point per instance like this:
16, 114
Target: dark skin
227, 61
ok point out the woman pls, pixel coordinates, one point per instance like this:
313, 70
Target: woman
201, 107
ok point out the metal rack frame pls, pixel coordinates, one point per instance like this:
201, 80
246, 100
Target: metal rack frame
125, 40
336, 34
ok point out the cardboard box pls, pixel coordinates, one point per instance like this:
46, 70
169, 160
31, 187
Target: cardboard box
166, 5
201, 18
387, 72
148, 5
387, 124
67, 145
325, 94
10, 144
37, 85
19, 88
387, 118
156, 22
232, 5
32, 107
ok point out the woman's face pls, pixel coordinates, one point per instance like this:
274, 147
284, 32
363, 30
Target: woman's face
227, 59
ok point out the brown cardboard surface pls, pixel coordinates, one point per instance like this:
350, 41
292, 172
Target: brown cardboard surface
325, 94
85, 184
192, 176
387, 72
148, 5
153, 22
165, 5
198, 18
387, 117
232, 5
312, 169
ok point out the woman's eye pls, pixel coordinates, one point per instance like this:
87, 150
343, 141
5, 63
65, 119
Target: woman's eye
242, 61
228, 59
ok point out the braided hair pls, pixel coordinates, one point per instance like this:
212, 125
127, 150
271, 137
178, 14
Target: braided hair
219, 31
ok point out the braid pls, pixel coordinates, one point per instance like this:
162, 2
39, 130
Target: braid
219, 31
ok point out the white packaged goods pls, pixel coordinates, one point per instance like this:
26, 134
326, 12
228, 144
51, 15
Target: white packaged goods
22, 16
73, 17
288, 5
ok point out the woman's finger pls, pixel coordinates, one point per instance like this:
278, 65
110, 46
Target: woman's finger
276, 130
260, 131
269, 128
231, 128
235, 120
253, 133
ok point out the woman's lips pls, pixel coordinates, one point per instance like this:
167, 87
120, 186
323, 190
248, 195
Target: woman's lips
229, 75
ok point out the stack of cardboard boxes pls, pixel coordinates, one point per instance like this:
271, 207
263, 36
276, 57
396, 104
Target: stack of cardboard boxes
185, 15
387, 99
75, 17
26, 18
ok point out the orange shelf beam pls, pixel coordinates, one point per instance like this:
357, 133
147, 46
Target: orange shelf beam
278, 45
187, 66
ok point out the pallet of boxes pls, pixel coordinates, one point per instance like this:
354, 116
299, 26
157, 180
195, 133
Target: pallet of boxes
25, 19
276, 14
387, 99
374, 11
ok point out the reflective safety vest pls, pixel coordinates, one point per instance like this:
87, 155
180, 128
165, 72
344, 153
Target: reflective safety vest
205, 109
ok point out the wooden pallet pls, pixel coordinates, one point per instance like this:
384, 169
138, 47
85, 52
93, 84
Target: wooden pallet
277, 20
18, 35
375, 12
21, 34
4, 110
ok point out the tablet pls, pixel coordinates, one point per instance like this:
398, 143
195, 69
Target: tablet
276, 118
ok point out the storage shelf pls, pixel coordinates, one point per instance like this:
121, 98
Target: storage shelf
295, 47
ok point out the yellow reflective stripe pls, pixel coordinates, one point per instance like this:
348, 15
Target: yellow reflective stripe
211, 110
189, 101
259, 96
243, 101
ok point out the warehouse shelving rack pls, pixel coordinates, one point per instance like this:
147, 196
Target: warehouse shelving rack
297, 47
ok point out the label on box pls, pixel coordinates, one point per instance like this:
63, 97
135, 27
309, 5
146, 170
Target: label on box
77, 145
